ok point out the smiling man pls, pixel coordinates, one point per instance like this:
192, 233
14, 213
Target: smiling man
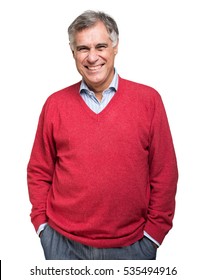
94, 53
102, 174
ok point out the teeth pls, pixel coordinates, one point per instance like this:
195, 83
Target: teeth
93, 68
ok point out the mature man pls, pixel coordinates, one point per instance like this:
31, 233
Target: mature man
102, 174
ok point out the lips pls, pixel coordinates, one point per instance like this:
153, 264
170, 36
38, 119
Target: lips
94, 68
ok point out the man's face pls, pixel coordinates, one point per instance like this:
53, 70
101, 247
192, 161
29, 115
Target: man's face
94, 56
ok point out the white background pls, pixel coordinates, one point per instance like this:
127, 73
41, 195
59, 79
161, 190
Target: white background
162, 45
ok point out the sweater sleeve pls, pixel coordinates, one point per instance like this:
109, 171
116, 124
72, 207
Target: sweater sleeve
40, 168
163, 175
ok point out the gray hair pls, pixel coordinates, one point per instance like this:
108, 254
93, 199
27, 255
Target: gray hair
90, 18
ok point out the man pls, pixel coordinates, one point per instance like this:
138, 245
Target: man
102, 174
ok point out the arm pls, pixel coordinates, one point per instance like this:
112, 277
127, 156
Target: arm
40, 168
163, 175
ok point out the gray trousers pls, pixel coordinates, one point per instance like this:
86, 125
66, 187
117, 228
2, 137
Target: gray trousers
58, 247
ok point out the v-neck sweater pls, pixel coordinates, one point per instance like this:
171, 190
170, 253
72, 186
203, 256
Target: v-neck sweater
102, 179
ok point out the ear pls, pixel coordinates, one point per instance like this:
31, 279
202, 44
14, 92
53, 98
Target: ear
71, 49
116, 48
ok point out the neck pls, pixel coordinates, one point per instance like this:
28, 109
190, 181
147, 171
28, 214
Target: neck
99, 88
99, 95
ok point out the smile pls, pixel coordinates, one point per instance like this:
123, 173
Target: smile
94, 68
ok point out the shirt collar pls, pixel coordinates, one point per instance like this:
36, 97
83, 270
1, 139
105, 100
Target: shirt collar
113, 86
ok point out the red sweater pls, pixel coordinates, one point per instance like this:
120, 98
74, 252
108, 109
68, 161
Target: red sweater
102, 179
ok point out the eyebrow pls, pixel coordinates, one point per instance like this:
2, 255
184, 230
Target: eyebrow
87, 47
81, 47
101, 45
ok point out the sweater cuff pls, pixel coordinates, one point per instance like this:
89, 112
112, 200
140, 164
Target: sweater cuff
38, 221
152, 239
155, 232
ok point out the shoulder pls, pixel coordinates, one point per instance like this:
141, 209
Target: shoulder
61, 100
143, 96
63, 96
64, 93
138, 89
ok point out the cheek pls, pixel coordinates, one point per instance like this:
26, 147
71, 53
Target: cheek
78, 58
110, 60
79, 63
110, 56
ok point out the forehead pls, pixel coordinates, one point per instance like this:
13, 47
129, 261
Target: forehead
92, 35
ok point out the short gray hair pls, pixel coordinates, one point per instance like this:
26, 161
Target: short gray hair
90, 18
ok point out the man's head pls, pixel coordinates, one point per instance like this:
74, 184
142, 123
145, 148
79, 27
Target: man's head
90, 18
94, 43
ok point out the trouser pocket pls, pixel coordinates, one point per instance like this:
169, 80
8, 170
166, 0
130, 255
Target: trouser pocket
147, 248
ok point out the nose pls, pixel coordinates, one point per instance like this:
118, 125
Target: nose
92, 56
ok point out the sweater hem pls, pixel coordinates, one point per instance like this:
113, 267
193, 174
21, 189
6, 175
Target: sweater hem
101, 242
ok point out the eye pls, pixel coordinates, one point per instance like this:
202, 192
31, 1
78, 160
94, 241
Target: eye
82, 49
101, 47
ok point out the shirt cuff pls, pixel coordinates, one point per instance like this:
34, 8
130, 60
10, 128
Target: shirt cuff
41, 227
152, 239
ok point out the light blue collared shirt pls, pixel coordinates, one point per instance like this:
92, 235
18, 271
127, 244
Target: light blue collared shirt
90, 99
